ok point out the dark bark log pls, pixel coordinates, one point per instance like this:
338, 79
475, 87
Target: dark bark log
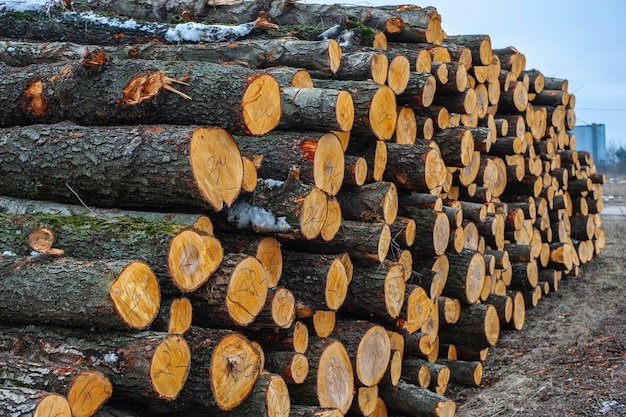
317, 157
113, 294
478, 326
318, 281
374, 202
466, 276
134, 362
132, 92
26, 402
415, 401
139, 166
414, 167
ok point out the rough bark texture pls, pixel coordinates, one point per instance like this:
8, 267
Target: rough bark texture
67, 94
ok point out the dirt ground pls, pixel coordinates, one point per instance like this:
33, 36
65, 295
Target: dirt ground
570, 357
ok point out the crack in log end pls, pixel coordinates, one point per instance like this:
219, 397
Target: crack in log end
145, 86
33, 100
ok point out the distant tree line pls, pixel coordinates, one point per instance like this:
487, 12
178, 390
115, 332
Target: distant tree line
615, 163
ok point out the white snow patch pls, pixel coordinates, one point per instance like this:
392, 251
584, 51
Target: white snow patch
9, 253
110, 358
27, 5
35, 253
113, 22
270, 183
198, 32
244, 215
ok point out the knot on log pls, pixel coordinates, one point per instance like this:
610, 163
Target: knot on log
145, 86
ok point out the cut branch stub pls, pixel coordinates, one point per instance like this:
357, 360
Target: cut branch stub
216, 165
135, 294
87, 392
41, 239
192, 257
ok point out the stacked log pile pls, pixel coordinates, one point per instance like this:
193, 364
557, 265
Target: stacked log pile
359, 214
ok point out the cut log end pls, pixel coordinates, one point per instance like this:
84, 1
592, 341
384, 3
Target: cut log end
261, 105
87, 392
299, 368
384, 243
335, 378
441, 233
313, 213
136, 295
329, 164
277, 398
180, 316
52, 405
247, 291
300, 340
379, 67
428, 92
333, 220
344, 111
383, 114
372, 356
235, 367
192, 258
398, 75
324, 322
216, 165
270, 255
283, 308
334, 55
336, 285
41, 239
475, 278
435, 170
249, 175
395, 288
170, 366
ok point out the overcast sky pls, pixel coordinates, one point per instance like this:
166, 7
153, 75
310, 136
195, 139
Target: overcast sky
582, 41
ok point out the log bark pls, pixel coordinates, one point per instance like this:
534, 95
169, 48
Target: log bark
466, 276
318, 281
375, 112
478, 327
144, 365
331, 381
420, 90
318, 158
464, 372
367, 241
233, 296
479, 46
434, 227
26, 402
107, 294
293, 367
456, 146
414, 167
115, 166
133, 92
316, 108
374, 202
377, 292
415, 401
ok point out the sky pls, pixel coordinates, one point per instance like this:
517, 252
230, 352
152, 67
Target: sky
581, 41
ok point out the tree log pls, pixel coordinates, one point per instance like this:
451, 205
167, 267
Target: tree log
131, 92
369, 349
113, 294
26, 402
318, 158
414, 401
369, 241
456, 146
318, 281
374, 202
115, 166
378, 292
375, 112
414, 167
233, 296
331, 378
478, 327
466, 276
464, 372
144, 365
316, 108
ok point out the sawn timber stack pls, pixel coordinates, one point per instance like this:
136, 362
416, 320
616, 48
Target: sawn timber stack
262, 219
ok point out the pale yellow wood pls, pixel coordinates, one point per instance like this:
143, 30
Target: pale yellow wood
247, 291
169, 366
261, 105
270, 255
53, 405
136, 295
87, 392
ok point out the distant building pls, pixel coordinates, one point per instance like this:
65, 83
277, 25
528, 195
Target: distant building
592, 138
